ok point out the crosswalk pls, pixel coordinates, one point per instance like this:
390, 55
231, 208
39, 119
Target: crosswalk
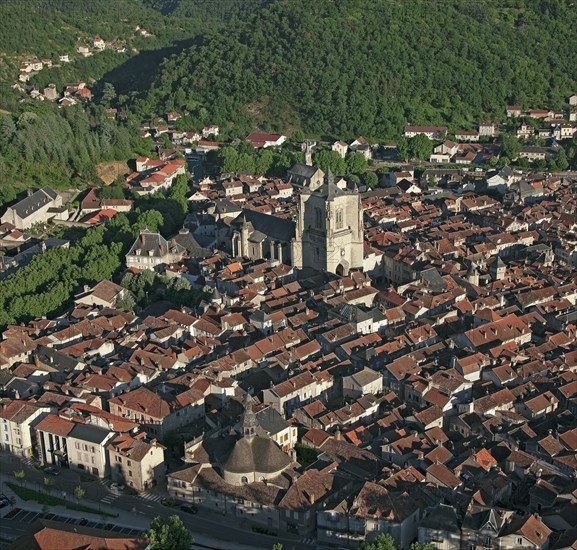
29, 461
151, 497
109, 498
308, 541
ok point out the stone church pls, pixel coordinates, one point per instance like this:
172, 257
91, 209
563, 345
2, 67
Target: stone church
256, 235
327, 235
329, 229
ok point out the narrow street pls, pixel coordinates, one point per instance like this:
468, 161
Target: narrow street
133, 512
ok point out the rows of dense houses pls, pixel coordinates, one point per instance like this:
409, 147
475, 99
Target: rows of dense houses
434, 380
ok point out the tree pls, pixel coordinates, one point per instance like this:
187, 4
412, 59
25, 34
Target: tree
79, 492
356, 164
48, 484
264, 161
127, 303
298, 136
277, 546
228, 159
370, 179
325, 159
112, 192
561, 160
169, 534
108, 93
511, 146
7, 128
541, 165
149, 219
403, 148
382, 542
20, 475
420, 147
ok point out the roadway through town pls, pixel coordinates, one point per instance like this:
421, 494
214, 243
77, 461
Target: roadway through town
132, 511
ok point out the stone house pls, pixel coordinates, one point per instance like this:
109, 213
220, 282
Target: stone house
363, 382
38, 207
136, 461
17, 421
159, 413
151, 250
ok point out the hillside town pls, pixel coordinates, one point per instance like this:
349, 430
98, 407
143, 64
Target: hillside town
75, 93
398, 360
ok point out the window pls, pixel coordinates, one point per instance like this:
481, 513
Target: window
339, 218
129, 473
318, 218
77, 445
128, 462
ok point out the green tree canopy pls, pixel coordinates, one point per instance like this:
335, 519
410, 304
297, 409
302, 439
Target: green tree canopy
169, 534
370, 179
355, 164
382, 542
511, 146
324, 158
149, 219
420, 147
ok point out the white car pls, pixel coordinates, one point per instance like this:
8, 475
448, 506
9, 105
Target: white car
117, 487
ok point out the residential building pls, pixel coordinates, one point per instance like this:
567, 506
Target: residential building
38, 207
136, 461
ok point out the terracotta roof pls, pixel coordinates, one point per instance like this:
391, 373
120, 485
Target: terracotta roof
55, 425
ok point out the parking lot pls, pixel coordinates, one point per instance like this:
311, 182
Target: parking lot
26, 516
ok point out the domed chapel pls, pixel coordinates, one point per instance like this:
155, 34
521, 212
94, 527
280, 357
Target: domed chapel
254, 456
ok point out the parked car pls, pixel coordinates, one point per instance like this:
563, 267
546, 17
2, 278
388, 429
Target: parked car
4, 500
51, 471
189, 508
117, 486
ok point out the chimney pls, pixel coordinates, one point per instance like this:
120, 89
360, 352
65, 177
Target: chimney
142, 239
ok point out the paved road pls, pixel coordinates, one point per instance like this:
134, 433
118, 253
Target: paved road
206, 526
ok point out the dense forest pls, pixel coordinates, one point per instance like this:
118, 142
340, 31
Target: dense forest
60, 148
49, 28
347, 68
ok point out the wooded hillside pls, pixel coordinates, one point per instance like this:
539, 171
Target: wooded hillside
345, 68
